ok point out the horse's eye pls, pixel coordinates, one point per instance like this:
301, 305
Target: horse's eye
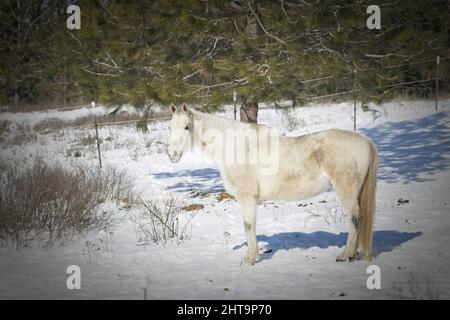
187, 128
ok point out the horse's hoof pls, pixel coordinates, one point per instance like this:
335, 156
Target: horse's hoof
248, 262
344, 259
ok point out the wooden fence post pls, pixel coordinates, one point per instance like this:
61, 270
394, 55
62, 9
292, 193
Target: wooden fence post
98, 144
234, 101
354, 97
438, 58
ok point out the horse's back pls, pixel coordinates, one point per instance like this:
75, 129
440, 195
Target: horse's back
303, 167
335, 143
308, 163
343, 155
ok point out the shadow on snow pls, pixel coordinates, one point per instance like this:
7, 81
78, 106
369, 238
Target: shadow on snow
409, 148
383, 241
204, 180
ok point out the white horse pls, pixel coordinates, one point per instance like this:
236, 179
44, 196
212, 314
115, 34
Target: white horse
300, 167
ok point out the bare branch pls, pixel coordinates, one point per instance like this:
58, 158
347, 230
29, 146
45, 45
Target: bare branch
192, 74
100, 74
262, 27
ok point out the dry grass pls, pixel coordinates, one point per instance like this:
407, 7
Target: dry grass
51, 204
224, 196
119, 117
193, 207
56, 123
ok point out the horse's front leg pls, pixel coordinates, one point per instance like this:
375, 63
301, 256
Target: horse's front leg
248, 208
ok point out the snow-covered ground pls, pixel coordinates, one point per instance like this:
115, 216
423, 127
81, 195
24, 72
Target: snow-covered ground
410, 243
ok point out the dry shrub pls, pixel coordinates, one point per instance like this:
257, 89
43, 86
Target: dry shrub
51, 124
159, 221
16, 133
4, 128
289, 120
51, 204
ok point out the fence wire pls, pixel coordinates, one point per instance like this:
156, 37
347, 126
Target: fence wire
310, 98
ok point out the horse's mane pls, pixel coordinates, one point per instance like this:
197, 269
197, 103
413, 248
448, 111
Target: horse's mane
223, 121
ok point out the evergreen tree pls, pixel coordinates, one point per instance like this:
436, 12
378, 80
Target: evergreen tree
158, 52
201, 51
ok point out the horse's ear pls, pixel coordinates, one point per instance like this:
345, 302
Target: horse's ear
185, 108
173, 108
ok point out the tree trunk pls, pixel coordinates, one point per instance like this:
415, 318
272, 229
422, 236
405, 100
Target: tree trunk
249, 112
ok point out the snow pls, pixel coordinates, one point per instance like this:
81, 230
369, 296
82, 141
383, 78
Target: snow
31, 118
300, 239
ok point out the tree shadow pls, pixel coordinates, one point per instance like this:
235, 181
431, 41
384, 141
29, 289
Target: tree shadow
383, 241
408, 148
206, 180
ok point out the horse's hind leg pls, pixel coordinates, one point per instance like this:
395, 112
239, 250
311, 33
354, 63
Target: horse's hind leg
248, 208
349, 203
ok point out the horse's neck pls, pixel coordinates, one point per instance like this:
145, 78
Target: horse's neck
198, 129
203, 123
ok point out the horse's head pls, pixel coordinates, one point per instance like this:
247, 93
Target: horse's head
180, 132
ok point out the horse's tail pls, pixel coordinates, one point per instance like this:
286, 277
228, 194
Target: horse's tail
367, 203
